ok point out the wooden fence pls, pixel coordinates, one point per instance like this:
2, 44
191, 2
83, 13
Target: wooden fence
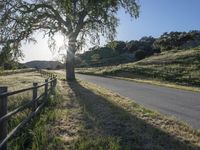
34, 104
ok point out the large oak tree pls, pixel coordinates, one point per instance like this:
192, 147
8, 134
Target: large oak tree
76, 20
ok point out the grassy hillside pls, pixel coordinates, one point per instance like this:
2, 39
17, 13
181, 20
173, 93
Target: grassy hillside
177, 66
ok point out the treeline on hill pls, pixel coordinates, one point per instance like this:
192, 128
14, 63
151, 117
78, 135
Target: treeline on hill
49, 65
118, 52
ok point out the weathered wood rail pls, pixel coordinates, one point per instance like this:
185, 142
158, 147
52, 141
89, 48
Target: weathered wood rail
34, 104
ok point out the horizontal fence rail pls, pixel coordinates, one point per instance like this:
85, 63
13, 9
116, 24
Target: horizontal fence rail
49, 87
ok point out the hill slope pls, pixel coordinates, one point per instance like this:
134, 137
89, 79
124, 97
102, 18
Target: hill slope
44, 64
179, 66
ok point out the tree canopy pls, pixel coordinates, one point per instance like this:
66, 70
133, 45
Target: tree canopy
178, 40
77, 20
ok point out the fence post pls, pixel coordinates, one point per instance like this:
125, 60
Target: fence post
54, 84
46, 89
34, 107
3, 111
51, 85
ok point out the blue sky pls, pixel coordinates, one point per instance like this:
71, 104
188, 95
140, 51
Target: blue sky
159, 16
156, 17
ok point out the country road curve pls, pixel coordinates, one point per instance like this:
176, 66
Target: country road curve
184, 105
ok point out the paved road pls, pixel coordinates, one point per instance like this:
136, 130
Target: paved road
184, 105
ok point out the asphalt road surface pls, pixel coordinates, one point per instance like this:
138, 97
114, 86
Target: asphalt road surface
184, 105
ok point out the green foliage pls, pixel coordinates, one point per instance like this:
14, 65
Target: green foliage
117, 52
140, 54
59, 67
9, 56
75, 19
145, 43
103, 56
178, 40
118, 46
95, 55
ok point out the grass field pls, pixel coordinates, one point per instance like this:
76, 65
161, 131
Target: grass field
178, 67
16, 82
83, 116
9, 72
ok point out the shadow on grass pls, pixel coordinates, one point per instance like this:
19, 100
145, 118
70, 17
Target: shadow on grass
114, 121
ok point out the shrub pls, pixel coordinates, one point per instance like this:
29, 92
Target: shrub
58, 67
178, 40
140, 54
119, 47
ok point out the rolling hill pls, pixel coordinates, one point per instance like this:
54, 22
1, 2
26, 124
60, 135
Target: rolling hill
44, 64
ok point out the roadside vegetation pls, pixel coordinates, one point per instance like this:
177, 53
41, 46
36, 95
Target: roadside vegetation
16, 80
83, 116
176, 66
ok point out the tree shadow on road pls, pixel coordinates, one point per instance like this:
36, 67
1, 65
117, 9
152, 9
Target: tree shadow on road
114, 121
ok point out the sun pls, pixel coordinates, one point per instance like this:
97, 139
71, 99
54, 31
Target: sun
60, 41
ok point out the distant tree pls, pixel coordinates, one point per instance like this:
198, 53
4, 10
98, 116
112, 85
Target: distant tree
132, 46
48, 68
58, 67
145, 44
36, 67
7, 66
178, 40
76, 20
21, 66
93, 48
140, 54
9, 55
147, 39
118, 46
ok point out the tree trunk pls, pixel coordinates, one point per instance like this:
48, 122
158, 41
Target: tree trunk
70, 62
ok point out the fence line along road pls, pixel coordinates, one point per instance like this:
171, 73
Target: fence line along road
35, 105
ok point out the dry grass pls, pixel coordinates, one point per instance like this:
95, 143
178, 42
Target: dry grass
134, 125
21, 80
9, 72
83, 116
16, 82
106, 120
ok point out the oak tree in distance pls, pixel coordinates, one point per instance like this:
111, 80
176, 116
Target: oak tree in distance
76, 20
